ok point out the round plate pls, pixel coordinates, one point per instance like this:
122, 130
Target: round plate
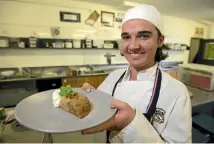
38, 113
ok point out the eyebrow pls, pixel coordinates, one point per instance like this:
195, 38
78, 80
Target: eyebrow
144, 32
139, 32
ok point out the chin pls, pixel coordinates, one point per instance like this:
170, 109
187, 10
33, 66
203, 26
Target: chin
140, 63
137, 64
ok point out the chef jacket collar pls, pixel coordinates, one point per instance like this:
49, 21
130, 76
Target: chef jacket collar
147, 74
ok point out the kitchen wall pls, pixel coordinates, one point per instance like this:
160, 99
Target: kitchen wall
26, 18
211, 31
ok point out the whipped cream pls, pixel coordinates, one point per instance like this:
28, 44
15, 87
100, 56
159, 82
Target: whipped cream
56, 98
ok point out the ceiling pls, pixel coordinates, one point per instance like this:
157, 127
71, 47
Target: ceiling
201, 10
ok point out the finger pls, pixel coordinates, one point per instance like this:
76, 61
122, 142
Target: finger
114, 129
117, 104
87, 87
99, 128
93, 130
88, 90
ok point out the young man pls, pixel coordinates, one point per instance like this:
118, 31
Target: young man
152, 106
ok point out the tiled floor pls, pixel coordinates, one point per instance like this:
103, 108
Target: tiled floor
13, 134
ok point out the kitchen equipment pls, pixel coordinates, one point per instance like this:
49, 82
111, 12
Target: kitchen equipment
77, 43
47, 84
110, 44
68, 43
72, 71
89, 43
197, 75
21, 44
4, 42
13, 42
169, 64
108, 57
98, 43
202, 51
49, 74
58, 44
7, 73
32, 42
11, 93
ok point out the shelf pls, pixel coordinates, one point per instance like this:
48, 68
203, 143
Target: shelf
27, 48
7, 48
173, 50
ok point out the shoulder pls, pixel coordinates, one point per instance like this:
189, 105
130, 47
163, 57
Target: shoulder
172, 84
108, 84
116, 73
172, 89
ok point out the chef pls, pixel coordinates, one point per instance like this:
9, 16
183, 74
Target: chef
152, 106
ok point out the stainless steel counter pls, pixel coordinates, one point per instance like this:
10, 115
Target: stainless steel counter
48, 77
37, 73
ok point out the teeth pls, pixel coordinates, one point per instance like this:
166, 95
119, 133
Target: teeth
135, 54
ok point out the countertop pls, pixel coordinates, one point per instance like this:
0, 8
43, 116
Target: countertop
200, 96
63, 75
48, 77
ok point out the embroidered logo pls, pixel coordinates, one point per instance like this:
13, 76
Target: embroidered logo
158, 115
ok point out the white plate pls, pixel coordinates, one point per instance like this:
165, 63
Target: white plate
38, 113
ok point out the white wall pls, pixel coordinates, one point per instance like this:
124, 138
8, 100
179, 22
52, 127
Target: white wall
25, 18
181, 30
211, 31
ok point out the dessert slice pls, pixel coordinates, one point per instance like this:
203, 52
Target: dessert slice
74, 102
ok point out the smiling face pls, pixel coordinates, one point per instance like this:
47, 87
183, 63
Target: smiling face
139, 43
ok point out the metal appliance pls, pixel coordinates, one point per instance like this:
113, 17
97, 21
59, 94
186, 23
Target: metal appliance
202, 51
4, 42
197, 75
110, 44
88, 43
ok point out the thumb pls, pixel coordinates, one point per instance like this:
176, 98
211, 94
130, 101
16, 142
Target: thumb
117, 104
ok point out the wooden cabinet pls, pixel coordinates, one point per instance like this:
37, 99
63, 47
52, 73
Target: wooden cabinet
78, 81
73, 81
95, 80
173, 73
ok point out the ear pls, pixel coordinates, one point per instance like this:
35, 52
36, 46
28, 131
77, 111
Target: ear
160, 41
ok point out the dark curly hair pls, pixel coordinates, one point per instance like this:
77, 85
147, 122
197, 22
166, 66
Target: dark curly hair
159, 56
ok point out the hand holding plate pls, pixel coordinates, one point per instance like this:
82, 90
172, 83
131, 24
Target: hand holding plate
120, 120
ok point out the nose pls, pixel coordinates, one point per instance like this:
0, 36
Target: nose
134, 43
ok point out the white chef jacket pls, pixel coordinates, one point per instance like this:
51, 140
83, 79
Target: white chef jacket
174, 100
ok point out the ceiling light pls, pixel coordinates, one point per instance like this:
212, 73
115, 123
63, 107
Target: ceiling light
130, 3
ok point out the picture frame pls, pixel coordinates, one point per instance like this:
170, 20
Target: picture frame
70, 17
93, 17
107, 18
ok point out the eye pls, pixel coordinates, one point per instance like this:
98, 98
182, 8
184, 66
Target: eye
125, 37
144, 36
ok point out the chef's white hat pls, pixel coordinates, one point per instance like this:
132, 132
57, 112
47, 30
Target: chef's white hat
146, 12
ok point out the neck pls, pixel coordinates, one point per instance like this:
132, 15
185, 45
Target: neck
135, 70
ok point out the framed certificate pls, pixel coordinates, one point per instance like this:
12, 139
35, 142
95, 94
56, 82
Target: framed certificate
70, 17
107, 18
